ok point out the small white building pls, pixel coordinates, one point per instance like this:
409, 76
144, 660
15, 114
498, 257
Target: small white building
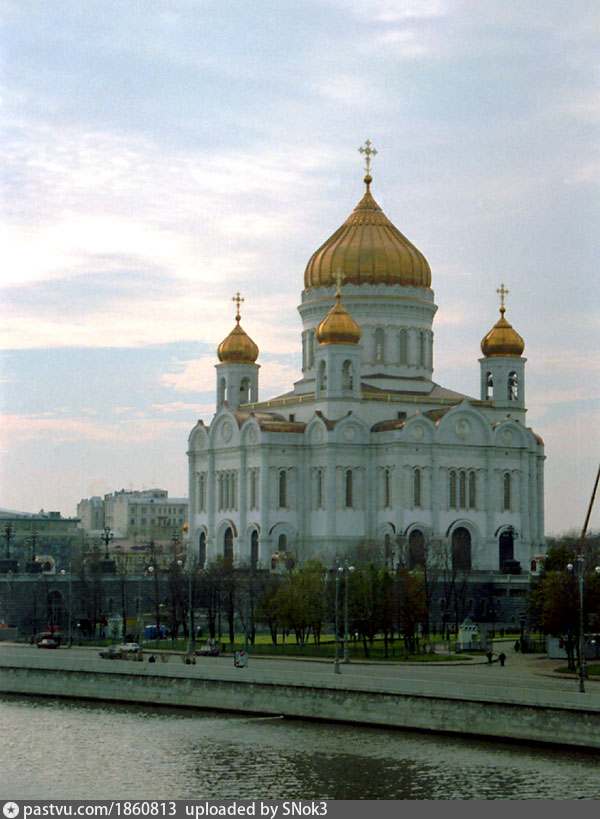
366, 446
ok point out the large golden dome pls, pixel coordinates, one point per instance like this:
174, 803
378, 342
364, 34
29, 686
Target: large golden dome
238, 346
502, 340
368, 249
338, 326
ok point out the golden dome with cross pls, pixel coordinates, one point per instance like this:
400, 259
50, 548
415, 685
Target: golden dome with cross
338, 326
368, 248
503, 339
238, 347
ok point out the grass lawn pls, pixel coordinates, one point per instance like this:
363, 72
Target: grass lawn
593, 669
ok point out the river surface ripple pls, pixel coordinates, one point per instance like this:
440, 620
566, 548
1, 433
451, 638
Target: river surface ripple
69, 749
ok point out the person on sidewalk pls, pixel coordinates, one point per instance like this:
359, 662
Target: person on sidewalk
489, 657
502, 658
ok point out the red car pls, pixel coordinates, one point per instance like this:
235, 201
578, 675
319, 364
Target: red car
48, 642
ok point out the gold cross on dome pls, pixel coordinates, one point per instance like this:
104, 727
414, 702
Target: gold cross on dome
238, 300
368, 152
502, 291
338, 279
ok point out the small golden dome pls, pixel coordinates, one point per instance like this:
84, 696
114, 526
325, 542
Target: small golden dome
338, 326
502, 340
368, 249
238, 346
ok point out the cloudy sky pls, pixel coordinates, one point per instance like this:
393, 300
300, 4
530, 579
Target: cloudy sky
159, 155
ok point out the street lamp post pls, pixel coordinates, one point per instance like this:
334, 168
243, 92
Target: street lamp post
62, 571
582, 658
336, 663
346, 570
150, 569
106, 538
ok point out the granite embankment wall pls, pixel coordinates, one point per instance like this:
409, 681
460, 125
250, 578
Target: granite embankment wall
530, 716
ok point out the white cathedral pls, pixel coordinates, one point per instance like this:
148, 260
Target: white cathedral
366, 447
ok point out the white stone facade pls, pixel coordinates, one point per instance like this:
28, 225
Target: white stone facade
366, 447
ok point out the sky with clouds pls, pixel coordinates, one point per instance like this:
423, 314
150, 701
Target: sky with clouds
159, 155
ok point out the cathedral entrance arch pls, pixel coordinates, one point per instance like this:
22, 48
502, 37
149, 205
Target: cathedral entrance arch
506, 547
461, 549
416, 549
228, 546
202, 550
254, 550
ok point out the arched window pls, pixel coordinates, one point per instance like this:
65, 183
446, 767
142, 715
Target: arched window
462, 489
347, 375
472, 490
506, 492
228, 547
221, 490
201, 492
379, 351
222, 391
253, 489
403, 342
416, 549
202, 550
422, 337
348, 495
489, 387
387, 489
311, 348
452, 490
513, 386
254, 550
282, 543
319, 489
282, 489
461, 549
245, 391
322, 377
506, 547
417, 487
226, 481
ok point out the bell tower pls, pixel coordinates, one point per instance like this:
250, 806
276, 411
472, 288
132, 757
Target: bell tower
237, 374
503, 365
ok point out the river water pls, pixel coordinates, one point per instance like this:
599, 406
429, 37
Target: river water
67, 749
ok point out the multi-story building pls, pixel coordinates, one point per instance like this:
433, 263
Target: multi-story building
146, 513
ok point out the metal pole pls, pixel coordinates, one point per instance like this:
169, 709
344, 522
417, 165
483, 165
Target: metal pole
582, 660
347, 570
191, 616
140, 623
336, 664
70, 636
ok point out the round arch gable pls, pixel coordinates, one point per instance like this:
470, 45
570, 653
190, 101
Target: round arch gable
344, 432
198, 438
419, 429
250, 433
509, 433
316, 431
224, 430
477, 430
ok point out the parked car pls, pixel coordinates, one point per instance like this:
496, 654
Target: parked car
48, 642
119, 652
210, 649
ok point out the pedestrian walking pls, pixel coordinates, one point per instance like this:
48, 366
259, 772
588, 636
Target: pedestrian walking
502, 658
489, 657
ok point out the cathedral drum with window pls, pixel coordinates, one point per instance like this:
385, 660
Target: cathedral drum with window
366, 448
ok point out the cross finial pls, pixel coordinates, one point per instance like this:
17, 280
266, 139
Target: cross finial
502, 291
368, 152
238, 300
338, 279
